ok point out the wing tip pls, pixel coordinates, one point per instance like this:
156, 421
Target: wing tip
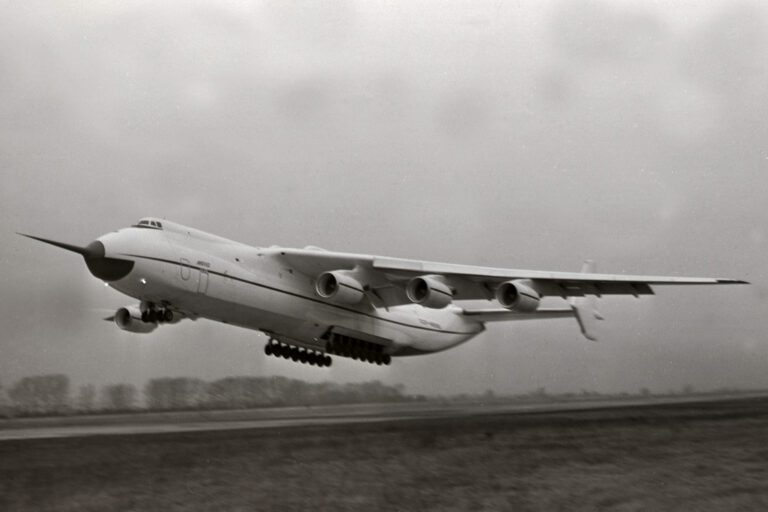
731, 281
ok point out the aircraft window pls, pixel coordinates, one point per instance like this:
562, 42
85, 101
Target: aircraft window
146, 223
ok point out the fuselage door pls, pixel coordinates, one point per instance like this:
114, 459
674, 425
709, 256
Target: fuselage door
185, 269
202, 283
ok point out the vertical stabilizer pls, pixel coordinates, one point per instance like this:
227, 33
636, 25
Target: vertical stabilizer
585, 308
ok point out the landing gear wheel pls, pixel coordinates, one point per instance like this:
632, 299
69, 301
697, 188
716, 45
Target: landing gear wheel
168, 316
268, 349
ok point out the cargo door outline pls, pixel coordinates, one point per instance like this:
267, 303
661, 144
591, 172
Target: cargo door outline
202, 280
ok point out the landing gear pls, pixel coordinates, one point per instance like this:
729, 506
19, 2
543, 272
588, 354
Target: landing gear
304, 356
361, 350
155, 315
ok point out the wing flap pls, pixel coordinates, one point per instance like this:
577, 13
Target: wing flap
505, 315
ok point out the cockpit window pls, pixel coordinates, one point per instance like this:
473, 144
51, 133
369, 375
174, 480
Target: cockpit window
148, 224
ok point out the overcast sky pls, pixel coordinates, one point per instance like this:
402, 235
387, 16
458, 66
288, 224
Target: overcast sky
511, 134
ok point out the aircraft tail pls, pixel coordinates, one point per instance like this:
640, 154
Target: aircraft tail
585, 308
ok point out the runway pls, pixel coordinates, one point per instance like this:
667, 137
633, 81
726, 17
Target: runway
198, 421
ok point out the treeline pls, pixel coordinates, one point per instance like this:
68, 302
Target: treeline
52, 395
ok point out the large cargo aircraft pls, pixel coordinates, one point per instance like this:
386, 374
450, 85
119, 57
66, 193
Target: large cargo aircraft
313, 303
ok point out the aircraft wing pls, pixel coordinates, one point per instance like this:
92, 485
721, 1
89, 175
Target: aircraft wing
385, 278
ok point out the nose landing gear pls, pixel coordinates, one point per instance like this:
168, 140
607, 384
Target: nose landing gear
155, 315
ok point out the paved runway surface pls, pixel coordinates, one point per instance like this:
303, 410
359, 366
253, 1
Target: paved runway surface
178, 422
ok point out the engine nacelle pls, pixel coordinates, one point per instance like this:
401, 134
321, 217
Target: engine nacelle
518, 296
129, 319
340, 287
429, 292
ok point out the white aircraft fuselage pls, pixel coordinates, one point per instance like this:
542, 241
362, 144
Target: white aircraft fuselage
312, 302
211, 277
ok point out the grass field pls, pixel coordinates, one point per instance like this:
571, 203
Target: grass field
705, 456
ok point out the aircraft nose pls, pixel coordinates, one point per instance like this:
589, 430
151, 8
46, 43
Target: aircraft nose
94, 250
106, 269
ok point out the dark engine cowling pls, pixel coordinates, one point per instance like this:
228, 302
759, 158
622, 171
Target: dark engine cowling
518, 296
429, 292
129, 319
340, 287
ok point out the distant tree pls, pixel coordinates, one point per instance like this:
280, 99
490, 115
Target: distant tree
176, 393
645, 392
42, 394
375, 391
119, 397
86, 398
688, 389
5, 407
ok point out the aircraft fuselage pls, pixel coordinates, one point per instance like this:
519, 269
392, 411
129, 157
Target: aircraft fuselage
211, 277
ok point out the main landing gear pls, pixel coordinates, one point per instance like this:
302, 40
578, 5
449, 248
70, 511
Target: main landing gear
346, 346
277, 349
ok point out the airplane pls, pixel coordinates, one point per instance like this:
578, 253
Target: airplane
313, 303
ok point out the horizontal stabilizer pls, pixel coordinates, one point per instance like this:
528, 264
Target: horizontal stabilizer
586, 314
585, 308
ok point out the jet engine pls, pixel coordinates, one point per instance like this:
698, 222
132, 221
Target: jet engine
129, 319
338, 286
429, 292
518, 296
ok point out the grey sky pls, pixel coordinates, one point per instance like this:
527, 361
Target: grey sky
529, 135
